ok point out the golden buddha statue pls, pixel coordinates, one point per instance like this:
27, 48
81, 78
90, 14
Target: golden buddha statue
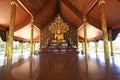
59, 35
58, 28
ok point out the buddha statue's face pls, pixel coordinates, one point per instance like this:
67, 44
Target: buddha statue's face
58, 31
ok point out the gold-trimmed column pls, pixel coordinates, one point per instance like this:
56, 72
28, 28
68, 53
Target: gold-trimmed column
31, 40
34, 47
11, 28
96, 46
104, 28
111, 43
83, 48
21, 47
40, 39
85, 34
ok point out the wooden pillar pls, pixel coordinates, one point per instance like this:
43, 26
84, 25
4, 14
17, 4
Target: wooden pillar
40, 39
96, 47
111, 44
104, 28
83, 48
88, 47
11, 28
21, 47
31, 40
85, 34
34, 47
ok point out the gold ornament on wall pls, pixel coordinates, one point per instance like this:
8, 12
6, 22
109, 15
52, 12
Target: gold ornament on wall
58, 28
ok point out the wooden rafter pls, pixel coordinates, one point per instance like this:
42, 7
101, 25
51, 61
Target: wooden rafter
3, 28
46, 18
80, 14
91, 6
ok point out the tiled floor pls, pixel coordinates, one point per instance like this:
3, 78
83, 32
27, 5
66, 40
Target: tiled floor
63, 67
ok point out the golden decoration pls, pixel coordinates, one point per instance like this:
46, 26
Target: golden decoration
58, 28
101, 1
14, 3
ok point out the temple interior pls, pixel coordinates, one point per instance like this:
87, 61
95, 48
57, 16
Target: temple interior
59, 39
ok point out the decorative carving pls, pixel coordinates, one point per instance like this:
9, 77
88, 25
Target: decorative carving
14, 2
58, 28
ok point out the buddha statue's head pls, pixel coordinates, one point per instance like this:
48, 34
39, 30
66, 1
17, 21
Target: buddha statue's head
58, 31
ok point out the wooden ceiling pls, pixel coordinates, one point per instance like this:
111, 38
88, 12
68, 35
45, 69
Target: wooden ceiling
72, 12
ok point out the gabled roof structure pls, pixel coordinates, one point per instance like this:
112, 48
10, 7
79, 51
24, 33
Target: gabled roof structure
72, 12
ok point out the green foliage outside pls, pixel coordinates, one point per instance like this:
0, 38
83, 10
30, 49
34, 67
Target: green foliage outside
16, 47
91, 46
1, 46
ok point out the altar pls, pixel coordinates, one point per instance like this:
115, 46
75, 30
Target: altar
59, 50
58, 43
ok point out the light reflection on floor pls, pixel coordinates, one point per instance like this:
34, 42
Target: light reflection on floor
16, 58
59, 67
100, 68
63, 67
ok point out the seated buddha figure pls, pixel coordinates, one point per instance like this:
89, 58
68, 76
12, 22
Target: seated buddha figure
59, 35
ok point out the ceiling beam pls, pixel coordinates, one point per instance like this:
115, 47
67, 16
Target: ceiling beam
117, 26
46, 14
90, 7
3, 28
67, 21
22, 5
50, 20
80, 14
90, 19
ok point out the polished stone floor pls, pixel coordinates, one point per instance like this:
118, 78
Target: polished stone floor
61, 67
